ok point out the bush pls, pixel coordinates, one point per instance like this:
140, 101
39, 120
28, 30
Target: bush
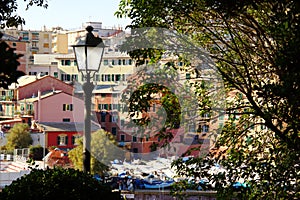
57, 183
37, 153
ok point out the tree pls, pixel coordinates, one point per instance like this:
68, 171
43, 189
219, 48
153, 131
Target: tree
18, 137
8, 65
8, 12
57, 183
103, 150
255, 46
9, 59
37, 152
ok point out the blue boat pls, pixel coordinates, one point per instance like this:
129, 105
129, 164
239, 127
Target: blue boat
152, 182
158, 184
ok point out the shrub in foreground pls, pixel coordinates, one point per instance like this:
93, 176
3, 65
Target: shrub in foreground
57, 183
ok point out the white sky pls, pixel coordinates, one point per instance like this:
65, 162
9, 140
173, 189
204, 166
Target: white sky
70, 14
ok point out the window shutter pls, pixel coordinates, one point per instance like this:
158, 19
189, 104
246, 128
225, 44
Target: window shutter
66, 140
73, 139
58, 140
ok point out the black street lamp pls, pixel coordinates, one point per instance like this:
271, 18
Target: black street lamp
88, 54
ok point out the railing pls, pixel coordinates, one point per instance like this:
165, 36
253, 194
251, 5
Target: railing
21, 154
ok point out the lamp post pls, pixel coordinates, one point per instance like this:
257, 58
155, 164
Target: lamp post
88, 54
44, 149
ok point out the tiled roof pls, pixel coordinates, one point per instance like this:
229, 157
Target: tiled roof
24, 80
44, 95
67, 126
6, 37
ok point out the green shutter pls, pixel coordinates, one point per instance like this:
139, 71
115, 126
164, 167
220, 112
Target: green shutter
58, 140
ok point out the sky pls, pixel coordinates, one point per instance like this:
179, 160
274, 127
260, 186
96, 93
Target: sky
71, 14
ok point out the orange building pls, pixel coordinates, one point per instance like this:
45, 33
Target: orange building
20, 48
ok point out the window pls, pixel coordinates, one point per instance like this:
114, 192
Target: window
129, 62
119, 62
103, 115
205, 128
67, 107
66, 62
74, 77
103, 95
97, 77
55, 74
220, 126
114, 130
114, 118
188, 76
107, 77
134, 139
105, 62
180, 63
46, 45
65, 77
74, 137
124, 62
66, 120
192, 128
34, 44
113, 62
122, 122
122, 138
221, 117
153, 108
118, 77
135, 150
206, 115
62, 140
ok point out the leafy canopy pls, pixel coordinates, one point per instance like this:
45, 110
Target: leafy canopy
18, 137
103, 150
255, 45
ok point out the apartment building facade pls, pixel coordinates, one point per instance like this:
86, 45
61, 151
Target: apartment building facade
39, 41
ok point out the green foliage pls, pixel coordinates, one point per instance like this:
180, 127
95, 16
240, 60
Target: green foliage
36, 152
8, 65
56, 183
255, 45
103, 150
8, 58
18, 137
9, 16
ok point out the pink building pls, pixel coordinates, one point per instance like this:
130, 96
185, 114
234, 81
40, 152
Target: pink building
58, 106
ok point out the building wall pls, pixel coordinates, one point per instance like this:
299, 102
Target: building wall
58, 108
39, 41
60, 43
42, 70
53, 140
20, 49
46, 83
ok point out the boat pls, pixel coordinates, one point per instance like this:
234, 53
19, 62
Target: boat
158, 184
153, 182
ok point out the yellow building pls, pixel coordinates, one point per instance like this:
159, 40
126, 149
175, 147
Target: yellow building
60, 43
